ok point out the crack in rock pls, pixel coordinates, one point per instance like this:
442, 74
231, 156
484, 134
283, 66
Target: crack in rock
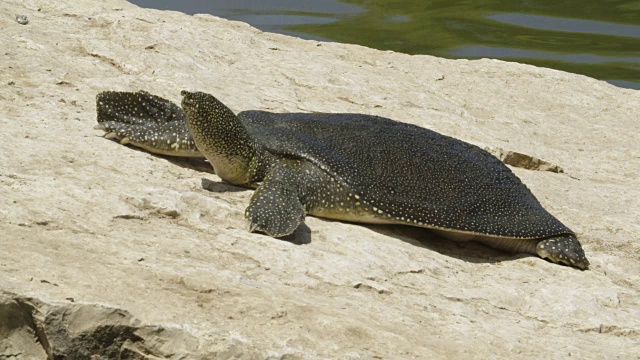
524, 161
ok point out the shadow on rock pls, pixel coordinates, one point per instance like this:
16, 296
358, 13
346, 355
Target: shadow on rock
221, 187
302, 236
469, 251
197, 164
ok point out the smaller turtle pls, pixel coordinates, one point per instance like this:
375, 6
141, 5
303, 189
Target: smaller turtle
353, 167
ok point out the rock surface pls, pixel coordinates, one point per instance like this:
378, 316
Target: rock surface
115, 253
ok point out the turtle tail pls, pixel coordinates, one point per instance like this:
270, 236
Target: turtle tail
563, 249
146, 121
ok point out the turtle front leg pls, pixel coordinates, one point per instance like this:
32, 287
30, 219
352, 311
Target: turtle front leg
146, 121
276, 207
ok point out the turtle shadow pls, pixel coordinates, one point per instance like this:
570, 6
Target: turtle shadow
302, 236
193, 163
197, 164
468, 251
221, 187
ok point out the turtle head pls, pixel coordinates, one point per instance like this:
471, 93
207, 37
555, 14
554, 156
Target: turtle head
201, 105
219, 135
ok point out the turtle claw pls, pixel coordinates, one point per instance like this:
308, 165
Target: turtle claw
125, 141
100, 127
110, 136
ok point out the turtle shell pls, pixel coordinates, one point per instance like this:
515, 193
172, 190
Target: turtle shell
412, 174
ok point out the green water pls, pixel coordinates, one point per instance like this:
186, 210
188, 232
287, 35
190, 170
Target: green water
600, 39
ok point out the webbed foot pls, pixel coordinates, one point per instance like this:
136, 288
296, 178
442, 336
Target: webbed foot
276, 208
146, 121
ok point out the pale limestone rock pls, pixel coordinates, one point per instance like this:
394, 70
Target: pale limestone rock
160, 250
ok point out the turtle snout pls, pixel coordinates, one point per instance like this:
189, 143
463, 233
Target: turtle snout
189, 99
186, 95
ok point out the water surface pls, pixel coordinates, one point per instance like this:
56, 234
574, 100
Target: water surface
600, 39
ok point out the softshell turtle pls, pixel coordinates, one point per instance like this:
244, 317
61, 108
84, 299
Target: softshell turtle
353, 167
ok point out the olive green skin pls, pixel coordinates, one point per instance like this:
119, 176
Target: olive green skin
354, 167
